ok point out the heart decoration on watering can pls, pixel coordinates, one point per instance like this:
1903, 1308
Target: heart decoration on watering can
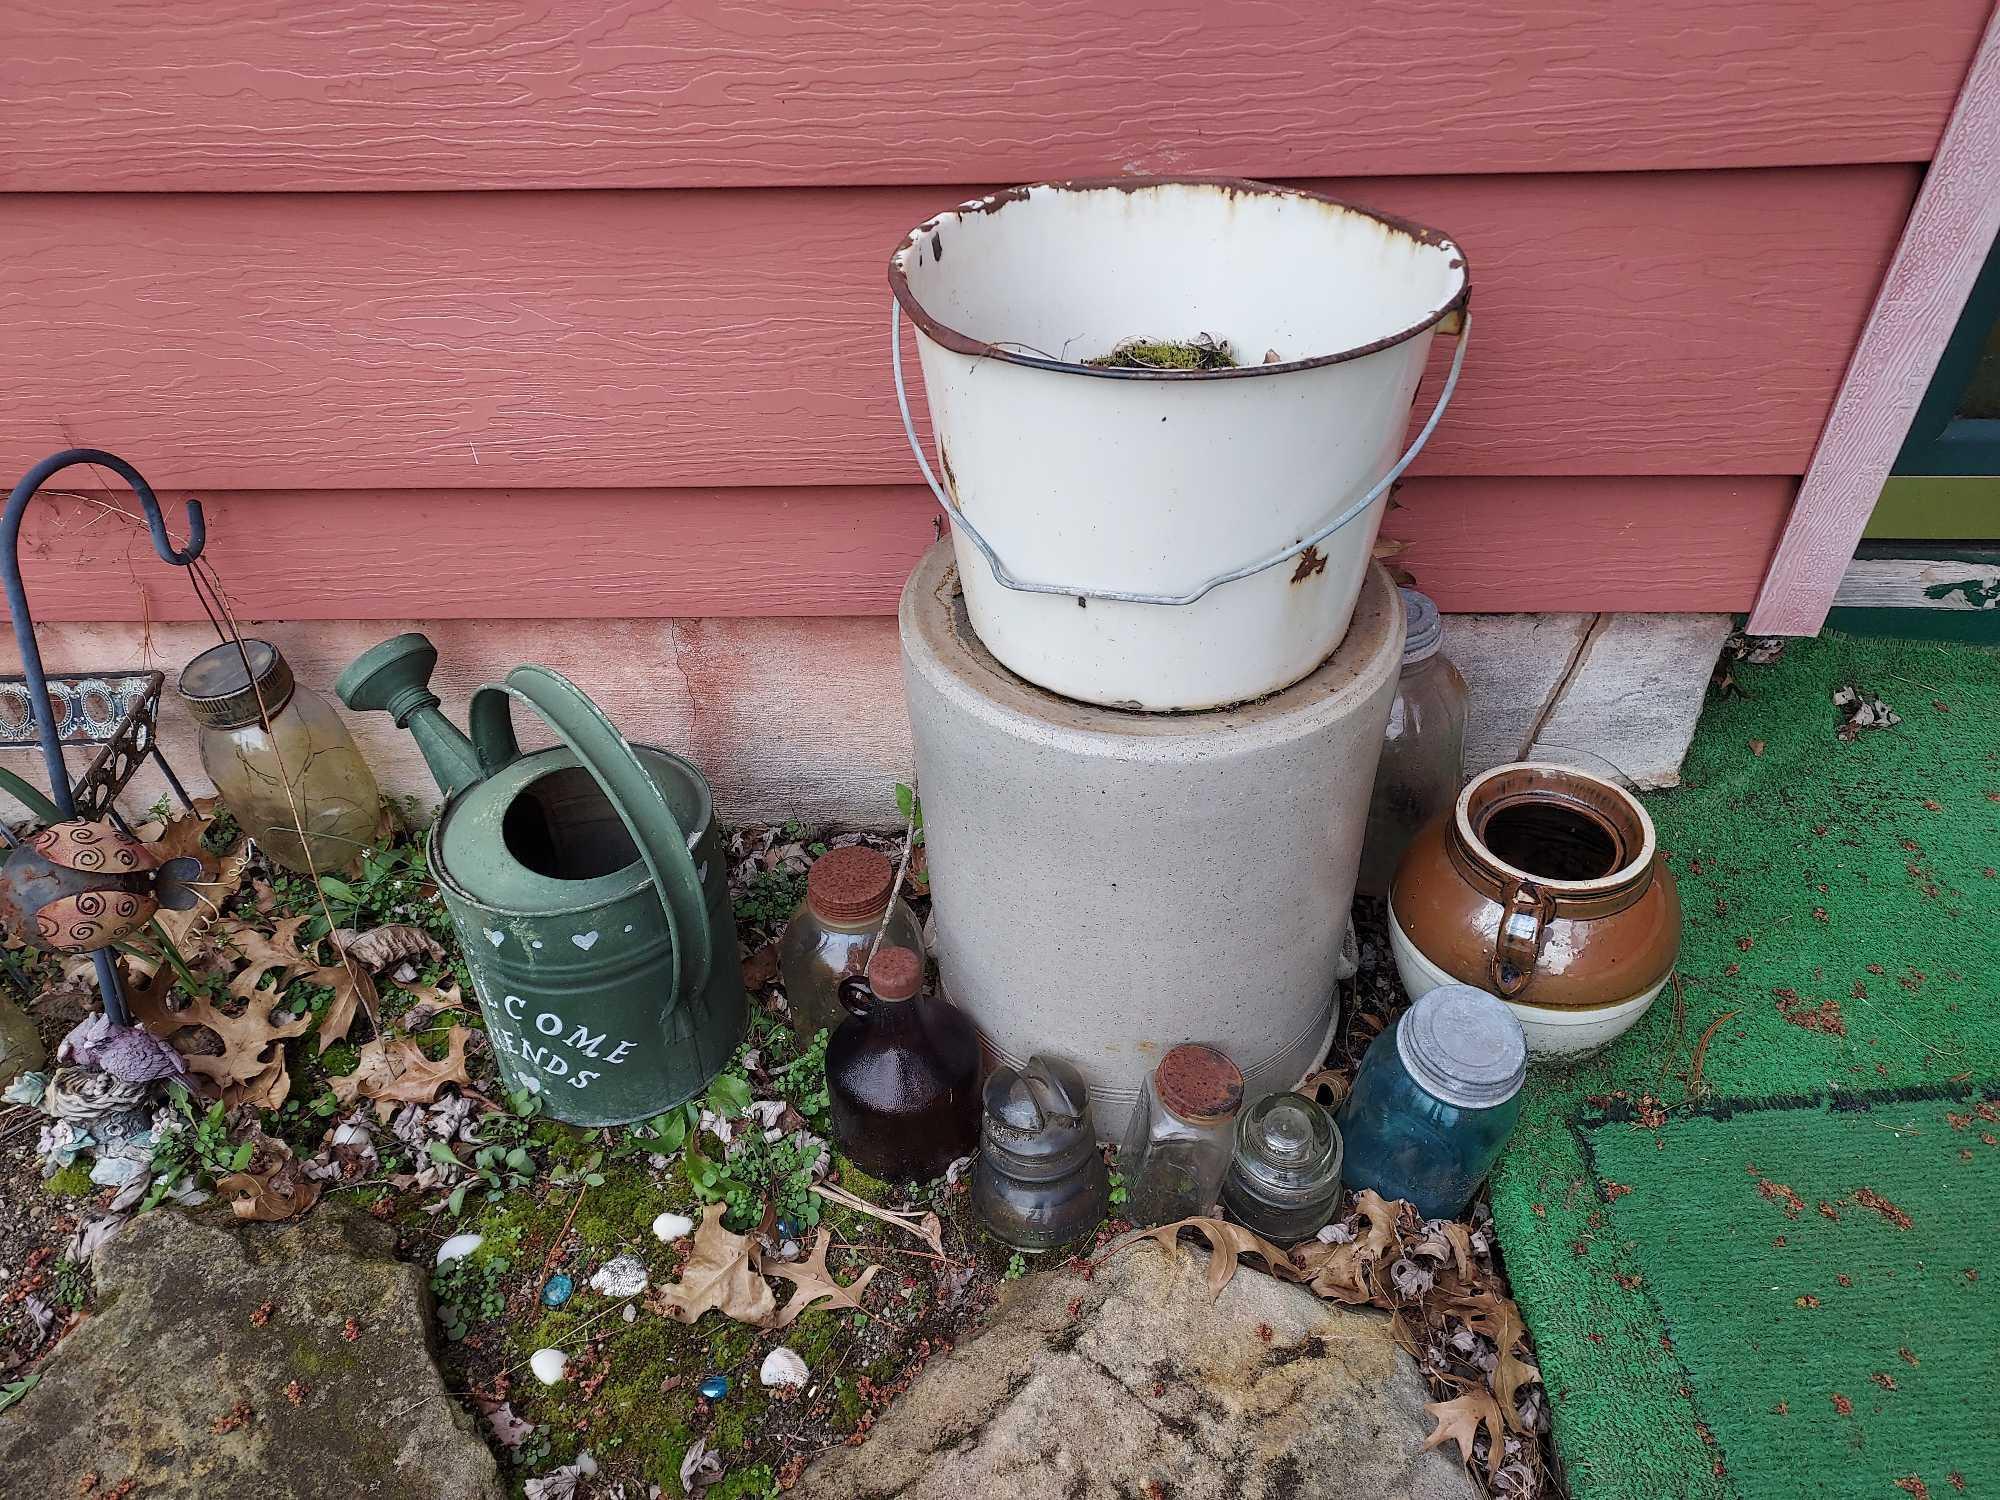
588, 886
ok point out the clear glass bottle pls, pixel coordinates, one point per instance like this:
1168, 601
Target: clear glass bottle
332, 794
1039, 1182
1423, 749
902, 1076
1436, 1098
1284, 1178
828, 937
1182, 1131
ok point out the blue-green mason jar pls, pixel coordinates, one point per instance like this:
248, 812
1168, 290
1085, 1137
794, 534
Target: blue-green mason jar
1435, 1100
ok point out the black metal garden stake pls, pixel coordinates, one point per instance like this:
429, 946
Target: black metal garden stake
133, 697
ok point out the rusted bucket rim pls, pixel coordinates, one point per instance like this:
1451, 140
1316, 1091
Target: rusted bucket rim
1478, 791
964, 343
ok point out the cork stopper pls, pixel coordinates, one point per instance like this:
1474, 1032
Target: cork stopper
896, 974
221, 695
849, 886
1198, 1083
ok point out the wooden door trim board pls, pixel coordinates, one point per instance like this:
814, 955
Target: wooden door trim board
1944, 245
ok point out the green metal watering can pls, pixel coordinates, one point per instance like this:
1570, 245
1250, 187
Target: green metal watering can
589, 889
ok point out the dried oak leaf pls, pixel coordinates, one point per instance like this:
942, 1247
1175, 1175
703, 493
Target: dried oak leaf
275, 953
353, 990
1499, 1319
382, 948
815, 1283
272, 1187
182, 834
431, 1001
250, 1068
1459, 1421
1346, 1273
720, 1274
393, 1070
1226, 1242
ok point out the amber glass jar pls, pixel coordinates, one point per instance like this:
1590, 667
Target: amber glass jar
1182, 1132
828, 938
280, 758
1423, 749
902, 1076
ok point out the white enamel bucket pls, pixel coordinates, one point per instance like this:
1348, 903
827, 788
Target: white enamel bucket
1169, 539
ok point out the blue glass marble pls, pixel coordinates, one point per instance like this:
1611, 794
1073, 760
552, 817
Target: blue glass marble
791, 1229
556, 1290
714, 1388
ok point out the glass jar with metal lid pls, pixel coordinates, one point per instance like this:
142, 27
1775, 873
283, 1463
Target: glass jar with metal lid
829, 937
1039, 1182
281, 759
1435, 1100
1423, 747
1183, 1128
1284, 1178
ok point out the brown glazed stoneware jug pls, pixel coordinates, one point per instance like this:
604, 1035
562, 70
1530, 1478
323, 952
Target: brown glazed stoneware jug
1544, 886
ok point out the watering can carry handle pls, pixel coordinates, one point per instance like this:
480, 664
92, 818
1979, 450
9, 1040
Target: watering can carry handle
1008, 579
641, 806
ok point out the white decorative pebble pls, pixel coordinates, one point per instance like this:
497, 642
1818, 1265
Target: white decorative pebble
459, 1246
631, 1313
549, 1365
783, 1366
671, 1227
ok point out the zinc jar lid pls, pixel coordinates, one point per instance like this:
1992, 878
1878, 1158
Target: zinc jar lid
1423, 627
222, 695
850, 885
1288, 1143
1463, 1046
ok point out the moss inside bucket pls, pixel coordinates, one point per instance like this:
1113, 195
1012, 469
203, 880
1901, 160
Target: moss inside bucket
1203, 352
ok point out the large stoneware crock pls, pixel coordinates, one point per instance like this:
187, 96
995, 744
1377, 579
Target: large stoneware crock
1544, 886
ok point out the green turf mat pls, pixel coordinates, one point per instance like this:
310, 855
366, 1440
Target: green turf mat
1824, 1293
1842, 918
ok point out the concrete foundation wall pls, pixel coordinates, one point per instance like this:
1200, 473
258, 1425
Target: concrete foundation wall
804, 717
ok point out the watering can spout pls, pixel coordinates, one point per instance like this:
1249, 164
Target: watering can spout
394, 678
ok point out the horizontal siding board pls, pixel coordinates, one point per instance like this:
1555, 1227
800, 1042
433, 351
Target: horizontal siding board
1654, 545
1475, 544
364, 94
1652, 323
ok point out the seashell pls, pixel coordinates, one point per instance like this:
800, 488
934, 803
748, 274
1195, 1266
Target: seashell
783, 1366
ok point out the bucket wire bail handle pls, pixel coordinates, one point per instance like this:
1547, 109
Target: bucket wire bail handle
1461, 316
641, 806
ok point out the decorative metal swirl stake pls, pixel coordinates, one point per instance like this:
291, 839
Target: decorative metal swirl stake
31, 655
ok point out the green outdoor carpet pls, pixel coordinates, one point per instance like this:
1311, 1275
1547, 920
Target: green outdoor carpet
1785, 1281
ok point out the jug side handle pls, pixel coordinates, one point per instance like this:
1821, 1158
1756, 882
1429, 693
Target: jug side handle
662, 843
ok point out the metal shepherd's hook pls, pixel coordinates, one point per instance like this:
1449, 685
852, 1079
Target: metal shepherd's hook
31, 655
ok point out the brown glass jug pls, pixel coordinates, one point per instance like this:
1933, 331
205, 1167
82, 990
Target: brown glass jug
902, 1075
